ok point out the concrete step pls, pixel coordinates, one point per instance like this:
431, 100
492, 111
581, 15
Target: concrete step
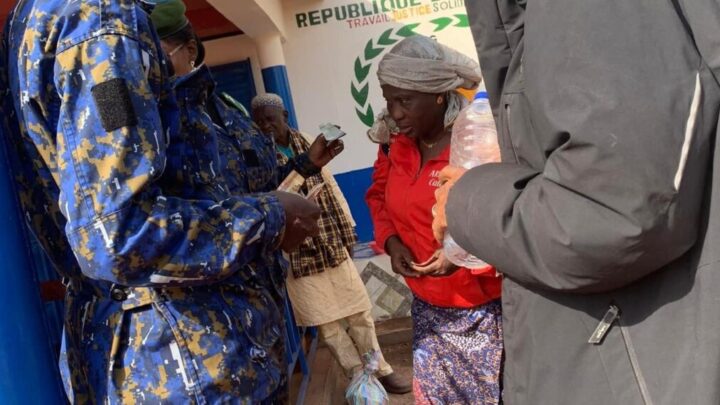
394, 331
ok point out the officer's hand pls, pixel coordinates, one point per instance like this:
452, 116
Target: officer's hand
400, 257
321, 151
301, 219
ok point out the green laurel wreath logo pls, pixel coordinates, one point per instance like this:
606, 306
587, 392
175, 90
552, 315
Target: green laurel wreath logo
375, 48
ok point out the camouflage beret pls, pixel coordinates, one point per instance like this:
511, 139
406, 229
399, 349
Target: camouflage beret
168, 16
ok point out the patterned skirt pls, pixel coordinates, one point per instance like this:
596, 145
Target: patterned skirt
457, 354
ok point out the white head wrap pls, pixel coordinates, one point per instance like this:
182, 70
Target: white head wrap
419, 63
267, 100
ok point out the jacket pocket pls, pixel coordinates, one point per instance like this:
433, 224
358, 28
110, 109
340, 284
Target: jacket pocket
140, 336
614, 345
217, 344
254, 311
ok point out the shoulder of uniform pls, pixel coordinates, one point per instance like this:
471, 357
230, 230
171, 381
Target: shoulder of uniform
231, 102
88, 19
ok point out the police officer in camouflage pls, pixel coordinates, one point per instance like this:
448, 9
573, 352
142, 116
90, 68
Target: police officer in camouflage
247, 157
214, 128
168, 300
210, 125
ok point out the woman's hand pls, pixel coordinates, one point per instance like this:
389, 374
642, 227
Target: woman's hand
400, 257
321, 151
437, 266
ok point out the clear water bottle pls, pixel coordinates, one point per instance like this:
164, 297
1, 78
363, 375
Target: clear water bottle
474, 142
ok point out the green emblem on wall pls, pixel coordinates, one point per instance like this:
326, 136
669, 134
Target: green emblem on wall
375, 48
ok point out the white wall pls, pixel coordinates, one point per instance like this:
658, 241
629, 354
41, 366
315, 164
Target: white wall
320, 61
233, 49
255, 17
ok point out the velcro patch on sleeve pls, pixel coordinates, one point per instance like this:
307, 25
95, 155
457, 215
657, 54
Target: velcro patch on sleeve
113, 103
251, 158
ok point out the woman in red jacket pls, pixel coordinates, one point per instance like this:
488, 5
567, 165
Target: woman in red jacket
457, 345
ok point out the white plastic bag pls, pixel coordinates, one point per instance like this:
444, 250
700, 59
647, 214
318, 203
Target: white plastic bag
365, 388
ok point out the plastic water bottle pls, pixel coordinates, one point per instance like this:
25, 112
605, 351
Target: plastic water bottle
474, 142
474, 135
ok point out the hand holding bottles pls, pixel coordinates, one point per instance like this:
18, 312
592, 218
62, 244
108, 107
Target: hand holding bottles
448, 177
474, 143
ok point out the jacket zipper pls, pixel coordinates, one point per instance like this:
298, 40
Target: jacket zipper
612, 316
420, 169
642, 384
414, 181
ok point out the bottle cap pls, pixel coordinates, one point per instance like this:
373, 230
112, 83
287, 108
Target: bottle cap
481, 95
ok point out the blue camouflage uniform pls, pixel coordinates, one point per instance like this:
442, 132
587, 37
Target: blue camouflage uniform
243, 160
168, 300
247, 158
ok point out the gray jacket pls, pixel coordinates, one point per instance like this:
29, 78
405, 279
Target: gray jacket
608, 198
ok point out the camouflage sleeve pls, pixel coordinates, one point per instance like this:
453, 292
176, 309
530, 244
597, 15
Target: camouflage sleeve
301, 164
111, 147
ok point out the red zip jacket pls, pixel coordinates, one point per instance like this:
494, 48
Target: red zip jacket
400, 200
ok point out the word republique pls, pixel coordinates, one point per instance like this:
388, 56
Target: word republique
374, 12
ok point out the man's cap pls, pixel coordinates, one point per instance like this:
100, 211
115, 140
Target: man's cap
267, 100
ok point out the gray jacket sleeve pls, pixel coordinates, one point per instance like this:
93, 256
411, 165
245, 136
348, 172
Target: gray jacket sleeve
497, 30
605, 147
702, 18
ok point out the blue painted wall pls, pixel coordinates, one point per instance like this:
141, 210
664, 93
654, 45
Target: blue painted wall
354, 185
236, 79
